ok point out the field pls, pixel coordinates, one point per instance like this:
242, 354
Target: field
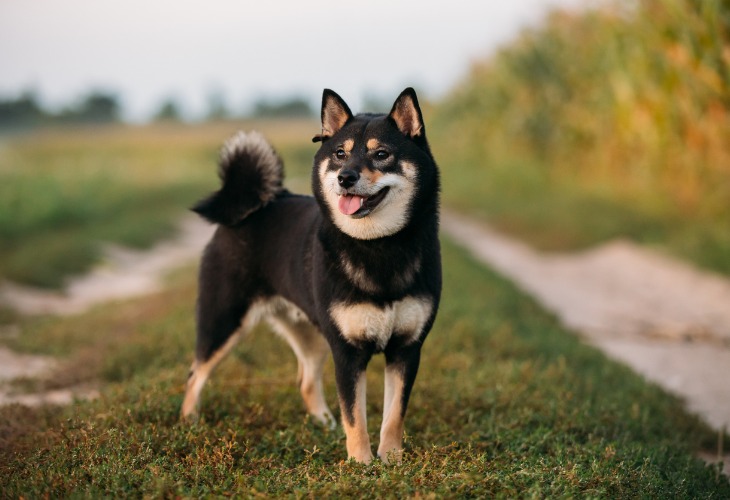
507, 403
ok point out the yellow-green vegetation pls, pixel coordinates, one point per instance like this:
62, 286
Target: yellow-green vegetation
64, 192
507, 404
611, 122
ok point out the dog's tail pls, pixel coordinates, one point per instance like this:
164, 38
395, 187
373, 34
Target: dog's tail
251, 173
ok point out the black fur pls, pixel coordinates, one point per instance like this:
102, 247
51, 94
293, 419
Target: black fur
251, 173
271, 243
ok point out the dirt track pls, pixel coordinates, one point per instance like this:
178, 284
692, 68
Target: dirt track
665, 319
124, 273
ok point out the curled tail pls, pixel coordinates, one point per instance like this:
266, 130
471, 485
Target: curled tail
251, 173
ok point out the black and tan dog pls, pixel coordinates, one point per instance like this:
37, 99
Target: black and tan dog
356, 270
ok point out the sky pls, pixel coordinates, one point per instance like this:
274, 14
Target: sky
148, 50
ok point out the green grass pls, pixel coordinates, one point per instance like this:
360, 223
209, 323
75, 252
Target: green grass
507, 404
65, 192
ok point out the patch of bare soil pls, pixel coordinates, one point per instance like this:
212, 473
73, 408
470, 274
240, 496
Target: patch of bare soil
14, 366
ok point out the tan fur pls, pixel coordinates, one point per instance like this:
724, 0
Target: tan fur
411, 315
372, 144
309, 346
358, 276
372, 176
406, 117
391, 431
348, 145
356, 432
365, 321
311, 350
334, 118
199, 374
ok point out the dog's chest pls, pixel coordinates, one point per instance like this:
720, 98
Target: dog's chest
365, 321
370, 281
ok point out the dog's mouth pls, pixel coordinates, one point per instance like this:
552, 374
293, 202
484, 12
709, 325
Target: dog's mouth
357, 206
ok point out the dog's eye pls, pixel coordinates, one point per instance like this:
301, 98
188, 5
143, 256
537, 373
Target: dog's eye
382, 155
340, 154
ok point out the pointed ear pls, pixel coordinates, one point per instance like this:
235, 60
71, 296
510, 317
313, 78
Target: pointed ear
335, 114
407, 114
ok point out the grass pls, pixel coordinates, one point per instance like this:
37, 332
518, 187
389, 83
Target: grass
507, 404
64, 192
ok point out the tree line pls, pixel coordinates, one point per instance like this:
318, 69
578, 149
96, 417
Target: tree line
26, 111
99, 107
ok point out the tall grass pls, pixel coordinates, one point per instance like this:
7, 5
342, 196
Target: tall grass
629, 102
637, 97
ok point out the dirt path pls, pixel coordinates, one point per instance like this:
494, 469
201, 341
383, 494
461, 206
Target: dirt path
124, 273
665, 319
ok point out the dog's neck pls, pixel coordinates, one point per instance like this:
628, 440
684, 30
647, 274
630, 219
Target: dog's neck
386, 267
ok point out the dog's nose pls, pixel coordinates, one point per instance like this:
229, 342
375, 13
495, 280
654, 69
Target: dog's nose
348, 178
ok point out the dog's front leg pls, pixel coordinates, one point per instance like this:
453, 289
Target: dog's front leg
400, 374
350, 365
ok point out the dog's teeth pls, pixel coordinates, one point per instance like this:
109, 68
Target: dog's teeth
362, 200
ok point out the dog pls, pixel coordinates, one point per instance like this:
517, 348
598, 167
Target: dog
354, 270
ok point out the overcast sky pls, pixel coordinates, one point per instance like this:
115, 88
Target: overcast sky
147, 50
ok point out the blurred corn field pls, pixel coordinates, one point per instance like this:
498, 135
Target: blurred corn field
633, 97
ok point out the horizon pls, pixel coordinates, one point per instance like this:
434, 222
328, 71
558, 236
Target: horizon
148, 53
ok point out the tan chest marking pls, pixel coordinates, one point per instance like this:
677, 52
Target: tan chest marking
366, 322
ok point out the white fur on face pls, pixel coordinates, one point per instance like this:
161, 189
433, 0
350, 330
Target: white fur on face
389, 217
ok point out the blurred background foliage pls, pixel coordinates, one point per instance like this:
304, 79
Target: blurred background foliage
634, 96
619, 114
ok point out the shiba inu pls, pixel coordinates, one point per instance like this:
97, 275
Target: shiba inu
354, 270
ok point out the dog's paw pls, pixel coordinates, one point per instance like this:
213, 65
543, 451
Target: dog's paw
363, 458
325, 419
391, 457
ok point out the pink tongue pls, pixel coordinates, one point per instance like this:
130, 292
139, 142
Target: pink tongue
349, 204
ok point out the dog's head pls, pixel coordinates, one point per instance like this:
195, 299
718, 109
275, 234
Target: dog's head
374, 173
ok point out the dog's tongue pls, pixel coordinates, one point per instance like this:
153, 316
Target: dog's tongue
350, 203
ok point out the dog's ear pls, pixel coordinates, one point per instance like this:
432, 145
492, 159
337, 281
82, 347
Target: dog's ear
335, 114
407, 114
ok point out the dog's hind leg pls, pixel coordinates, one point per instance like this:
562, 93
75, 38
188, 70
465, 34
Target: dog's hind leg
311, 350
199, 373
400, 374
218, 332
